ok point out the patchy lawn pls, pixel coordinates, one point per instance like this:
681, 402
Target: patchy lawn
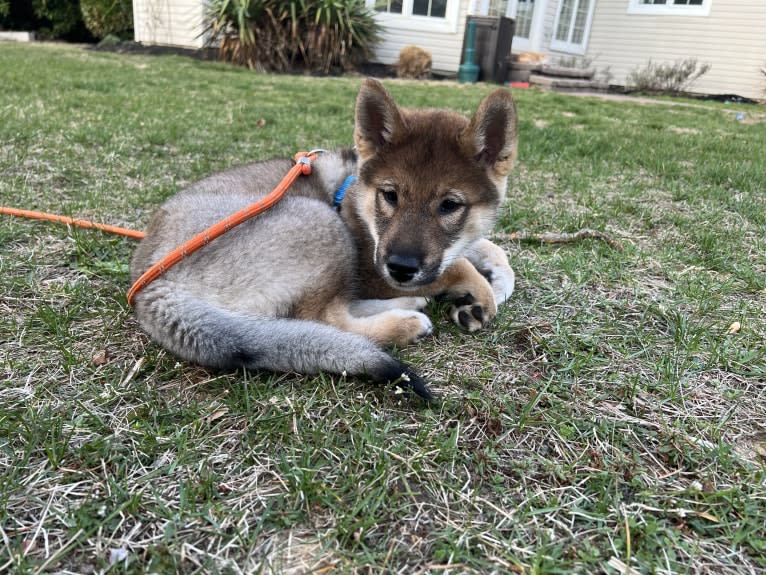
613, 415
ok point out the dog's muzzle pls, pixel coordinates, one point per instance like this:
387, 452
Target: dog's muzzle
403, 268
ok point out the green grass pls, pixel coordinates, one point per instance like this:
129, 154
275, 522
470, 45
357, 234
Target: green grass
606, 416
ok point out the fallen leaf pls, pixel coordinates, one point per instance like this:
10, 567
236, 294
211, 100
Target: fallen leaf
28, 545
261, 123
734, 327
101, 357
217, 414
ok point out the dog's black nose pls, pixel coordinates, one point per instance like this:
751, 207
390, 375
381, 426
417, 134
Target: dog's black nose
402, 267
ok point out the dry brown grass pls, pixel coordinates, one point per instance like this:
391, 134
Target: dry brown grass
608, 420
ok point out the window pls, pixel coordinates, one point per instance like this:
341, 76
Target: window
670, 7
431, 8
524, 12
424, 15
390, 7
572, 26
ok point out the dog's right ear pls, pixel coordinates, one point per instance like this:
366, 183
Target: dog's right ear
378, 120
492, 136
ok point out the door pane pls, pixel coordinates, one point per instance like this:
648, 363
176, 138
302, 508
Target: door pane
573, 19
524, 12
565, 20
579, 24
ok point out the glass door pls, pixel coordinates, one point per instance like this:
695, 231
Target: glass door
527, 15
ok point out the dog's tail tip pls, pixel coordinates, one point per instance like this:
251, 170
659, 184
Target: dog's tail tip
406, 379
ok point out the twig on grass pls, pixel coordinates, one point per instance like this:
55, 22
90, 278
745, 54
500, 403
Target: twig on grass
560, 237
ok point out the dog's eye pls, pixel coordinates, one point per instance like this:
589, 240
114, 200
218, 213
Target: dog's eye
390, 197
449, 207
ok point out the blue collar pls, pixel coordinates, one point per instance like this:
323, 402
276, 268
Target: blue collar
341, 193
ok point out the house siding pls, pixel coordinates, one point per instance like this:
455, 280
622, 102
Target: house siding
731, 39
169, 22
445, 47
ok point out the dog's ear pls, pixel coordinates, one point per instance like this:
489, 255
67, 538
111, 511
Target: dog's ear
492, 134
378, 120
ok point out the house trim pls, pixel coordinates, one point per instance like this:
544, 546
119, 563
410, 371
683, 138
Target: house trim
635, 7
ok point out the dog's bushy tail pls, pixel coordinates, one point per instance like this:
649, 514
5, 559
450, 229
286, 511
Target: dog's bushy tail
205, 334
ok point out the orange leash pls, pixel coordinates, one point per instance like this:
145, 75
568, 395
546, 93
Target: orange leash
302, 167
31, 214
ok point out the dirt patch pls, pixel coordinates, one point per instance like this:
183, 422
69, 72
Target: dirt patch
153, 50
370, 69
677, 130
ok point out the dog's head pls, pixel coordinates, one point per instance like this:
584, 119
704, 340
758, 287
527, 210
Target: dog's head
430, 180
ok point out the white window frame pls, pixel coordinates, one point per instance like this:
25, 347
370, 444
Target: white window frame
669, 9
408, 21
569, 47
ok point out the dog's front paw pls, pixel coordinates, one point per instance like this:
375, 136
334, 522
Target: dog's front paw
491, 261
500, 277
471, 314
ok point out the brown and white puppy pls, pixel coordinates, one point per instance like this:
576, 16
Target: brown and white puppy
307, 288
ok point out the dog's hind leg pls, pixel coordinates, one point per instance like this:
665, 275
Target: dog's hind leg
391, 325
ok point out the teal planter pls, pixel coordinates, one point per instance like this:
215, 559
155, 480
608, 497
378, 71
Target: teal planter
468, 73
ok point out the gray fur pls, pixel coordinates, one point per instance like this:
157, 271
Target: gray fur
228, 305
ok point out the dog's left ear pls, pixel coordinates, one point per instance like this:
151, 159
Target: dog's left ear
492, 134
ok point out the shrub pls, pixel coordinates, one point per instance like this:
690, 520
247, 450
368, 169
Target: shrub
675, 77
63, 16
104, 17
278, 35
59, 19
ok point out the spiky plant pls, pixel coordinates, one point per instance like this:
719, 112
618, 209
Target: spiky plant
280, 35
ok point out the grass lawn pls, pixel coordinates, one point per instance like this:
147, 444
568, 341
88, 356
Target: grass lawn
607, 418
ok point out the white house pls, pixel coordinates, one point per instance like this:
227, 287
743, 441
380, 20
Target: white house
626, 34
619, 34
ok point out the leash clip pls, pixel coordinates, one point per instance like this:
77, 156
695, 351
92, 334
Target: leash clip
304, 159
